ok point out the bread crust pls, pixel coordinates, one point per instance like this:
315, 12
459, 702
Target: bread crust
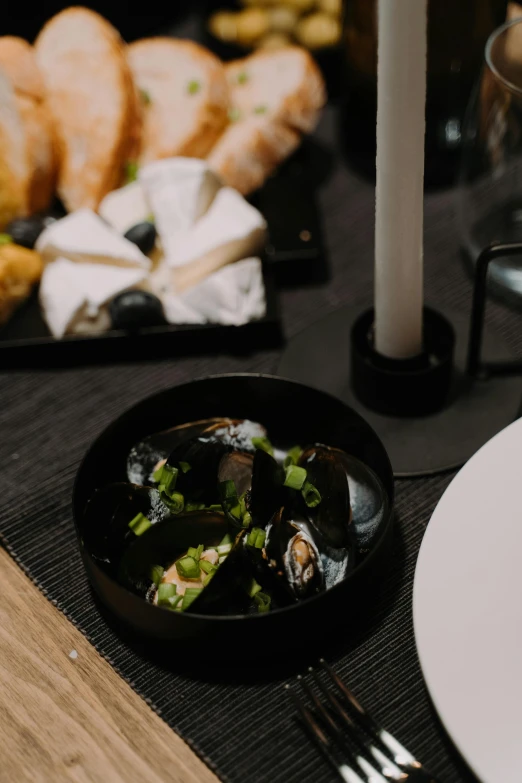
19, 64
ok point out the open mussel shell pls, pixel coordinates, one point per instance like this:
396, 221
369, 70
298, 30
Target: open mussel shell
164, 543
292, 556
145, 455
327, 471
267, 491
107, 516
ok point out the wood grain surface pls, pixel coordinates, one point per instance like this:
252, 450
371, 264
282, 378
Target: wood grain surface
73, 719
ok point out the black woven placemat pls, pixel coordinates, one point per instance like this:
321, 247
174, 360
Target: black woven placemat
244, 729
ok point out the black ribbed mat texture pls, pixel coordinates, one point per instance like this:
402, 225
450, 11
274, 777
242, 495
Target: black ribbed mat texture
242, 726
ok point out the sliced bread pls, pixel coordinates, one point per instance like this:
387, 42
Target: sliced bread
249, 150
13, 161
19, 64
285, 85
185, 94
93, 101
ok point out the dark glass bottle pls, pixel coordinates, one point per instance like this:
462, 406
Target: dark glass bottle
457, 33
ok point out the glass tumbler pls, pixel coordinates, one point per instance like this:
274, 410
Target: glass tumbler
489, 191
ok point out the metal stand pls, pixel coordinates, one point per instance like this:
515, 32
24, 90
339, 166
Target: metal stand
485, 394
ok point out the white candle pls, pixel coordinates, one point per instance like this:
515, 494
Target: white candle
401, 99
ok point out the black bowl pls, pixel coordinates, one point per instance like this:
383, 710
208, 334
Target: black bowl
293, 413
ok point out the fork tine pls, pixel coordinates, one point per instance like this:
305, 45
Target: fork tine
323, 712
386, 764
399, 753
323, 743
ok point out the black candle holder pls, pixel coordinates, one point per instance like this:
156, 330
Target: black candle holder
432, 412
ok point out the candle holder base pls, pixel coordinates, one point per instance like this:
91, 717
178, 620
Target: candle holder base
403, 387
422, 444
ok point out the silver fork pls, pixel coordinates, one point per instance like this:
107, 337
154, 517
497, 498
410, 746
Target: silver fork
358, 749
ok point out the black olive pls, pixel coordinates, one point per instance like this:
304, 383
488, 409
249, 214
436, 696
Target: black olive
143, 235
135, 310
25, 231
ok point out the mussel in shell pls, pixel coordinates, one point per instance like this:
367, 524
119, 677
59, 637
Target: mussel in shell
293, 557
327, 470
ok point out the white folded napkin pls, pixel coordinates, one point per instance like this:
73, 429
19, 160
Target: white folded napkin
234, 295
73, 296
179, 191
84, 237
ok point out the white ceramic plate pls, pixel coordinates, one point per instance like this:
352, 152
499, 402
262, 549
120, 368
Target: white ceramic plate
467, 609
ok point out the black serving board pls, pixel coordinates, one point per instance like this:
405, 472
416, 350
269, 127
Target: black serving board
25, 341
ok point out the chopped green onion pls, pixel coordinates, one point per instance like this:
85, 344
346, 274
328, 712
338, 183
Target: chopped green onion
175, 502
156, 574
256, 538
196, 552
139, 524
168, 479
311, 495
246, 520
131, 171
295, 477
193, 87
187, 567
208, 577
224, 549
222, 559
150, 218
5, 239
263, 444
260, 539
234, 114
242, 77
260, 110
207, 567
214, 507
252, 588
145, 97
195, 506
173, 602
263, 601
166, 591
185, 467
292, 456
156, 476
229, 499
191, 593
227, 539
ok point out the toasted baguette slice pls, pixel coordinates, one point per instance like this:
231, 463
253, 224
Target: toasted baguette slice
20, 269
285, 85
13, 160
19, 63
93, 102
186, 97
249, 150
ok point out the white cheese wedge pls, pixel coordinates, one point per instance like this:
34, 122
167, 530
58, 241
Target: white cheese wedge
231, 230
179, 191
125, 207
73, 296
234, 295
84, 237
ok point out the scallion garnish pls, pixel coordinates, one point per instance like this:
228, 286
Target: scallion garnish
156, 574
256, 538
264, 444
6, 239
208, 577
173, 603
214, 507
168, 479
260, 110
230, 500
166, 591
222, 559
187, 567
156, 476
145, 97
263, 601
207, 567
131, 172
196, 552
193, 87
292, 456
227, 539
191, 593
175, 502
185, 467
246, 520
295, 477
139, 524
234, 114
252, 588
242, 77
311, 495
224, 549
